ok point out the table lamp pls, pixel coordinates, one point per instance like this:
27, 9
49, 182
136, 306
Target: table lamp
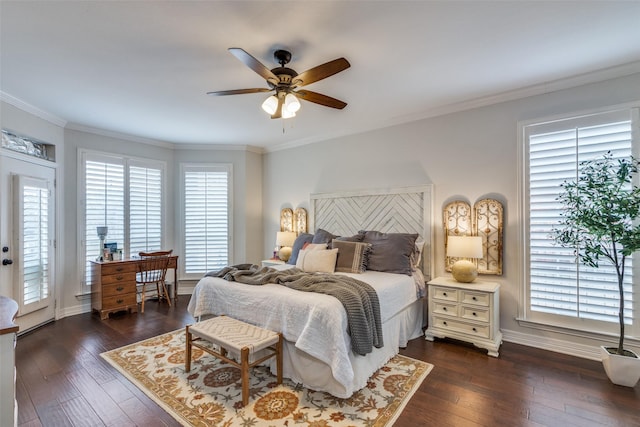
102, 234
285, 239
463, 270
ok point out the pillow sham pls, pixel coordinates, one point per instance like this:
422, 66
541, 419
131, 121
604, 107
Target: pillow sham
416, 256
312, 261
297, 245
322, 236
315, 246
390, 252
352, 256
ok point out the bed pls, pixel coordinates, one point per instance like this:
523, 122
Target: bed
318, 349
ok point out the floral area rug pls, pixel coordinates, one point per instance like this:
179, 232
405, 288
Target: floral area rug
211, 393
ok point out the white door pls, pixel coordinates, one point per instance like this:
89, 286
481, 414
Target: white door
27, 238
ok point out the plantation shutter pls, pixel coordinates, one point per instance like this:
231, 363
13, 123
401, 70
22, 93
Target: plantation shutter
145, 209
104, 204
206, 218
559, 283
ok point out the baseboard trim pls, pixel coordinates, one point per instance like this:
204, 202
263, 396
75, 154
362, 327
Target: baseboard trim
591, 352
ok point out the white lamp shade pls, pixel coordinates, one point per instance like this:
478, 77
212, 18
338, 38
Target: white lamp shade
102, 232
270, 105
464, 246
285, 238
286, 114
291, 103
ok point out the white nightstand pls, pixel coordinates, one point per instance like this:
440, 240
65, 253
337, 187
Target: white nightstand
465, 311
271, 262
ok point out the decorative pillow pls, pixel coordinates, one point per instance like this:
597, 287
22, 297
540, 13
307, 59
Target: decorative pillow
390, 252
352, 256
315, 246
323, 236
317, 261
297, 245
354, 238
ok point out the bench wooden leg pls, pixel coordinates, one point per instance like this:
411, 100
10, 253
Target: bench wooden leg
245, 375
279, 358
187, 353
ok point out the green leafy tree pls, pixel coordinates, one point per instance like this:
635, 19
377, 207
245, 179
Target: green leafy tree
599, 218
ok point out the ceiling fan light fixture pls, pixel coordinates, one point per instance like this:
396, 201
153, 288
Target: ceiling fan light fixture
291, 103
287, 114
270, 105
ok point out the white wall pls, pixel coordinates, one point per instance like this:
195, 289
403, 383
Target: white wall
466, 155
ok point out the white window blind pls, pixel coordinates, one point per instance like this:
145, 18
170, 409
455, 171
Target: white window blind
126, 195
145, 209
206, 218
559, 285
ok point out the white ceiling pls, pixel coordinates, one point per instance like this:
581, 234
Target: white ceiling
141, 68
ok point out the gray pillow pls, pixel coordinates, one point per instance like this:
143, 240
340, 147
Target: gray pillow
352, 256
390, 252
323, 236
297, 245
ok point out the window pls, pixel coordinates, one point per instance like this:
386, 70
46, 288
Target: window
559, 290
206, 213
126, 195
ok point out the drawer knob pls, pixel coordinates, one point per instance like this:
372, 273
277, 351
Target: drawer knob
444, 323
119, 277
474, 298
475, 330
120, 289
444, 294
444, 308
120, 301
119, 268
474, 313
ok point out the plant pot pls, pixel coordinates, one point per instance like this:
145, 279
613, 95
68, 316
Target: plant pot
621, 370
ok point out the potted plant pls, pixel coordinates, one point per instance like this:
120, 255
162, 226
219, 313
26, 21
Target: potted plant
600, 219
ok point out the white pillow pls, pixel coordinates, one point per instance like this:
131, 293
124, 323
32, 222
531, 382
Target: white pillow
313, 261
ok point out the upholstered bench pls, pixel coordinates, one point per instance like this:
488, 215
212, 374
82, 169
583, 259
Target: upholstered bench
238, 337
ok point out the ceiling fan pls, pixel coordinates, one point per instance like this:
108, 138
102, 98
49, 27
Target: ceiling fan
285, 82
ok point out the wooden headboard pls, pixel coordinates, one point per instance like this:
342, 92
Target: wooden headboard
394, 210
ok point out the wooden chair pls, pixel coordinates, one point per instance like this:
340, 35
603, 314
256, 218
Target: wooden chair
152, 270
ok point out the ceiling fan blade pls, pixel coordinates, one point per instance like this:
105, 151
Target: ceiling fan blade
278, 112
321, 72
254, 64
239, 91
318, 98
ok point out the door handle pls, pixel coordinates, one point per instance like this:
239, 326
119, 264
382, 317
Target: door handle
7, 262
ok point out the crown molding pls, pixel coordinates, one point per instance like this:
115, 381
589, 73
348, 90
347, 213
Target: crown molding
31, 109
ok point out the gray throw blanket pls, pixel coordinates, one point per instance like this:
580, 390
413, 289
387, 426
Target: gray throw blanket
359, 299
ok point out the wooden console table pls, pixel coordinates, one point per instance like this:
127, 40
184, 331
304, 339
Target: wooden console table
113, 285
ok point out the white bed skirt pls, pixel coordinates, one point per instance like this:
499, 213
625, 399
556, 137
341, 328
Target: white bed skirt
315, 374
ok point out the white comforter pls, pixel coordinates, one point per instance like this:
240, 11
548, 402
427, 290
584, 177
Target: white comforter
316, 323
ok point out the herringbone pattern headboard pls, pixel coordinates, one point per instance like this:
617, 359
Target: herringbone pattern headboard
399, 210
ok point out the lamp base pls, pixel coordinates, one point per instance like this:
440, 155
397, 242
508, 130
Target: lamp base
285, 253
464, 271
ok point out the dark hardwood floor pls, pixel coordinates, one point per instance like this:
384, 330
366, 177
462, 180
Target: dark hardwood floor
62, 380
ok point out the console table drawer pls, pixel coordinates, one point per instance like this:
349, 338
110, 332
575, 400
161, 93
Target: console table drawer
116, 301
118, 289
119, 278
115, 267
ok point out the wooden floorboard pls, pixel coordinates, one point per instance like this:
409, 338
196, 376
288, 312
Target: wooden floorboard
63, 381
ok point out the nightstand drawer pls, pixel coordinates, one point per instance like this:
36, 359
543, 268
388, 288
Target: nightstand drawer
445, 294
466, 328
477, 298
443, 308
475, 313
